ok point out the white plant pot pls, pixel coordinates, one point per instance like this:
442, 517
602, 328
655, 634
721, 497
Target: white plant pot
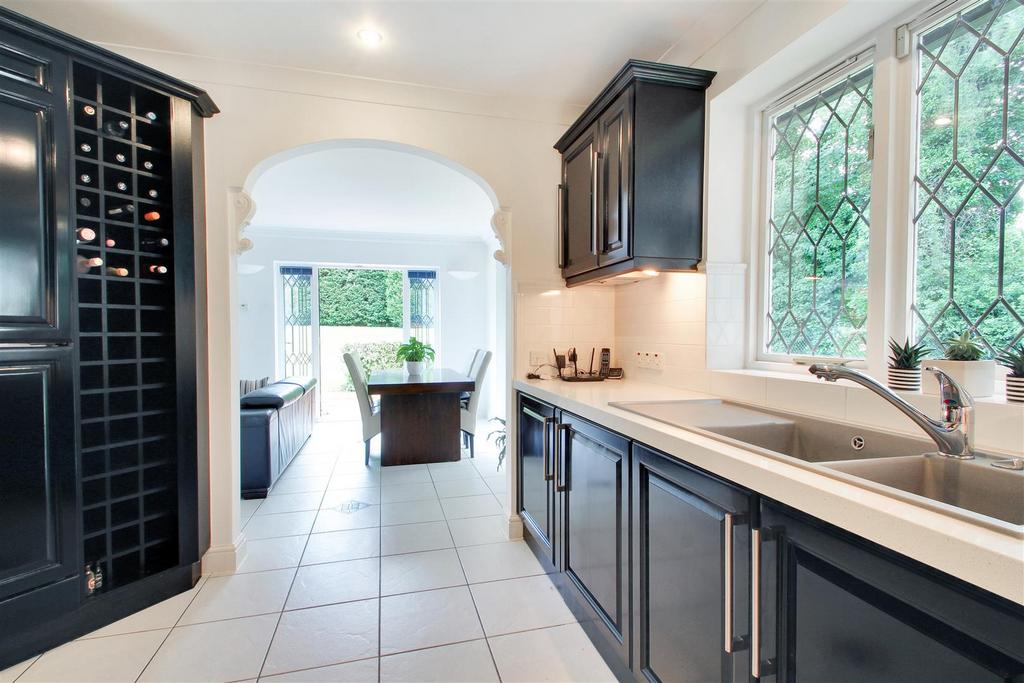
415, 367
1015, 389
904, 380
978, 377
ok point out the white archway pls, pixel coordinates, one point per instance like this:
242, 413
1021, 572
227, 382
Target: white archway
224, 503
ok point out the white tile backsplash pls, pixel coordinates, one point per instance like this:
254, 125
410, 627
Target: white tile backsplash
583, 317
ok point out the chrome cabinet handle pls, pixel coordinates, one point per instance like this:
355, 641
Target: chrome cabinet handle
593, 202
560, 486
727, 533
755, 603
548, 476
559, 218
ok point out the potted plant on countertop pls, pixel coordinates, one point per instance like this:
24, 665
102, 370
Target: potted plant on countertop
415, 354
1013, 359
964, 362
905, 364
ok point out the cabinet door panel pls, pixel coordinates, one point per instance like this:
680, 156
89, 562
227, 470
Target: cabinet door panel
34, 243
579, 223
536, 426
38, 526
685, 519
616, 178
847, 610
595, 514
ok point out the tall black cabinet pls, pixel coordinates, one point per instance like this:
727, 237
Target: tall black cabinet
100, 207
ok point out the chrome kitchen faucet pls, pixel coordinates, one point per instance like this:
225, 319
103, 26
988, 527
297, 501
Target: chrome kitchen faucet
953, 434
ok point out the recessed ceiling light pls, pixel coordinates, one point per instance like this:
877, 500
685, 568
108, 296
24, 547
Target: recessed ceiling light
369, 37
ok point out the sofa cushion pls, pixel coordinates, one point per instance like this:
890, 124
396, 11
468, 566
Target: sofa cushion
247, 385
306, 383
276, 395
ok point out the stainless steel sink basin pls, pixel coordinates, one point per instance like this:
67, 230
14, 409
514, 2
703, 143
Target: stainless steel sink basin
967, 484
804, 438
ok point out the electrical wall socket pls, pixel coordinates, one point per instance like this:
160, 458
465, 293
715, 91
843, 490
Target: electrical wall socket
649, 359
538, 358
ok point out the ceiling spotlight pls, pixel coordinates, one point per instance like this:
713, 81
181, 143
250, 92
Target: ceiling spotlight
369, 37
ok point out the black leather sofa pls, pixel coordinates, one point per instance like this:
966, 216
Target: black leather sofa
276, 421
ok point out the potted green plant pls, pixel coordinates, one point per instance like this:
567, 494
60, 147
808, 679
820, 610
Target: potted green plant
1013, 360
415, 354
905, 364
965, 363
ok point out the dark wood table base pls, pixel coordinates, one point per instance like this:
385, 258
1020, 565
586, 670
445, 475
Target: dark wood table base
419, 428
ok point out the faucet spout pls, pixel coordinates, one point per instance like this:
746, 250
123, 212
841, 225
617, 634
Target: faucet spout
953, 434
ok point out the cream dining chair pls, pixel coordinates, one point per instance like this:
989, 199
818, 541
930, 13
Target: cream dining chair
468, 413
370, 418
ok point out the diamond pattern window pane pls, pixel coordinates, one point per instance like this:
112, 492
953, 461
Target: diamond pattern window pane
969, 222
423, 305
818, 222
296, 309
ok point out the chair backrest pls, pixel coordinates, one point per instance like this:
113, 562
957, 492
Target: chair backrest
473, 363
478, 379
355, 370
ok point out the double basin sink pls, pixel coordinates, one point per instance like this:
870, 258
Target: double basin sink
898, 464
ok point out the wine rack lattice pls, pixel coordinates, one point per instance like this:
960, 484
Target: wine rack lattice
126, 348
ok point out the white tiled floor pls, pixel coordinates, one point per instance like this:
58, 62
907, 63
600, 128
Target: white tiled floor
354, 575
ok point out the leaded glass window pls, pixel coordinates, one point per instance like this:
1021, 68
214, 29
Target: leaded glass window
296, 315
969, 207
423, 305
817, 220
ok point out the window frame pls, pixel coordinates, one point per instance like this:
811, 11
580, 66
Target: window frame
857, 59
891, 254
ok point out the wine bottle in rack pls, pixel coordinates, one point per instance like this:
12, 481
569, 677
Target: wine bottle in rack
85, 179
121, 186
152, 194
89, 110
122, 210
148, 165
85, 148
151, 115
110, 243
159, 242
85, 234
117, 272
84, 202
158, 269
85, 264
120, 158
117, 128
151, 216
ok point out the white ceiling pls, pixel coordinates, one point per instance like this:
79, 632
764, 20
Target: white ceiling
559, 50
372, 190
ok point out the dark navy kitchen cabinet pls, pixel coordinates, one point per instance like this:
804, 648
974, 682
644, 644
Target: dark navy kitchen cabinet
536, 501
835, 607
691, 549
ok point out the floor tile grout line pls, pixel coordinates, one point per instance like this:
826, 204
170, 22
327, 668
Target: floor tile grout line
476, 609
380, 568
280, 615
177, 621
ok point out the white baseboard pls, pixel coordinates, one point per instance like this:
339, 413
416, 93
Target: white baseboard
224, 559
515, 528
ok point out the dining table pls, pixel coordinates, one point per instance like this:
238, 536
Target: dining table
419, 414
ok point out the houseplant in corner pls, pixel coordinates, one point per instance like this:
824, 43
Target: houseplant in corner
1013, 359
964, 362
415, 354
905, 364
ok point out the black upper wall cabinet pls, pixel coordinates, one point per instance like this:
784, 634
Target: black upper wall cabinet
632, 188
100, 207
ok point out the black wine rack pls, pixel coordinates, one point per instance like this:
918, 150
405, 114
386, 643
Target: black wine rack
126, 334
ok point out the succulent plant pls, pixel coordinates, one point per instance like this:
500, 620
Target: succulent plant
1013, 358
963, 348
907, 356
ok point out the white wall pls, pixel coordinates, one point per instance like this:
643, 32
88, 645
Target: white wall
466, 307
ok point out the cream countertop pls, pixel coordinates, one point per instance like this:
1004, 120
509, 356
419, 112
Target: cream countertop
986, 557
